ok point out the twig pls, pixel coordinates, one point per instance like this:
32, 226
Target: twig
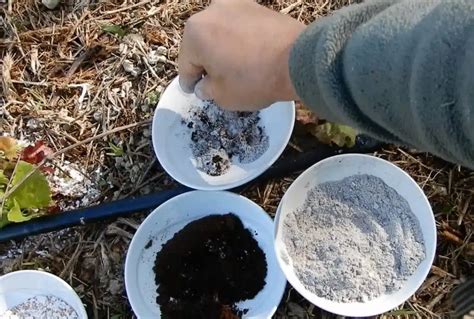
451, 237
464, 210
87, 55
70, 147
72, 260
7, 189
291, 7
126, 8
30, 83
145, 183
415, 159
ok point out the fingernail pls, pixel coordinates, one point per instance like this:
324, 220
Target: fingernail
199, 91
186, 87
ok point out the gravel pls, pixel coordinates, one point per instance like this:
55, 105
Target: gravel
219, 138
353, 240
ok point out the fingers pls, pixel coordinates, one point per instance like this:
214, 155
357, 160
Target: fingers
204, 89
190, 71
209, 89
189, 74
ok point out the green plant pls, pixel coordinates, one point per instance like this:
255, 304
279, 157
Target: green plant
31, 197
114, 29
325, 132
115, 150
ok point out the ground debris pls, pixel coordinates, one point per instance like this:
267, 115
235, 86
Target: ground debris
62, 34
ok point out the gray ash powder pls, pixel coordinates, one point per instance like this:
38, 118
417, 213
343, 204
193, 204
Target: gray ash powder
353, 240
219, 137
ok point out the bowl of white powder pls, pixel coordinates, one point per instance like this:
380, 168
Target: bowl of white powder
38, 294
205, 147
355, 235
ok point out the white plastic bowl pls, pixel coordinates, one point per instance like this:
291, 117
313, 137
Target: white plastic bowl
18, 286
171, 217
334, 169
171, 143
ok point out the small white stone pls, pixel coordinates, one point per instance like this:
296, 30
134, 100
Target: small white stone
145, 108
162, 59
162, 50
97, 116
146, 132
32, 124
152, 57
129, 67
50, 4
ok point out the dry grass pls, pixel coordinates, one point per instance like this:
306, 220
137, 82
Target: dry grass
64, 80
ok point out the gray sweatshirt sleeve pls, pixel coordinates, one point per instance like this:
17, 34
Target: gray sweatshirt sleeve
401, 71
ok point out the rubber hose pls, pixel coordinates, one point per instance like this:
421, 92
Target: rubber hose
123, 207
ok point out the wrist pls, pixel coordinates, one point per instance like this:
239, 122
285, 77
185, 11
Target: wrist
284, 88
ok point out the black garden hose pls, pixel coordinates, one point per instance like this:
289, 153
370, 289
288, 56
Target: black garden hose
123, 207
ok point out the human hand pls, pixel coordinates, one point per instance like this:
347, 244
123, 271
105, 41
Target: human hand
236, 53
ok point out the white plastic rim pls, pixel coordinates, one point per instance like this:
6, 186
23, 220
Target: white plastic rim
18, 286
171, 141
336, 168
171, 217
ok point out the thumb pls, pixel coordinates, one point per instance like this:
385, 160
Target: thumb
204, 89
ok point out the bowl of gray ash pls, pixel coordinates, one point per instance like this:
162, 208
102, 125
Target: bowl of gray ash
206, 147
355, 235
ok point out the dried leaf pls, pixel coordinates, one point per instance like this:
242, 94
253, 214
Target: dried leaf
34, 154
330, 133
53, 209
8, 147
305, 115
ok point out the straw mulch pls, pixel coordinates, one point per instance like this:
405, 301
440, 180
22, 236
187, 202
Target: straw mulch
98, 67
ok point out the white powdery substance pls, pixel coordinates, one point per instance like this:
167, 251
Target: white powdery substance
353, 240
71, 183
41, 307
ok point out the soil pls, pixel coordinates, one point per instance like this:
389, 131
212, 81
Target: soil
208, 267
149, 244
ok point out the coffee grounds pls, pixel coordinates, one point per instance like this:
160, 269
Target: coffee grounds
219, 137
207, 267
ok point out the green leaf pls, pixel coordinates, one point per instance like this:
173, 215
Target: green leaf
3, 180
34, 193
116, 150
341, 135
153, 98
4, 220
114, 29
16, 216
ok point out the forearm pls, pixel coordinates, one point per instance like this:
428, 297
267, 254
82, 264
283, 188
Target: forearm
398, 70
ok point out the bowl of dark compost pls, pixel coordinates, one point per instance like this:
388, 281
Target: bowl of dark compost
204, 255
